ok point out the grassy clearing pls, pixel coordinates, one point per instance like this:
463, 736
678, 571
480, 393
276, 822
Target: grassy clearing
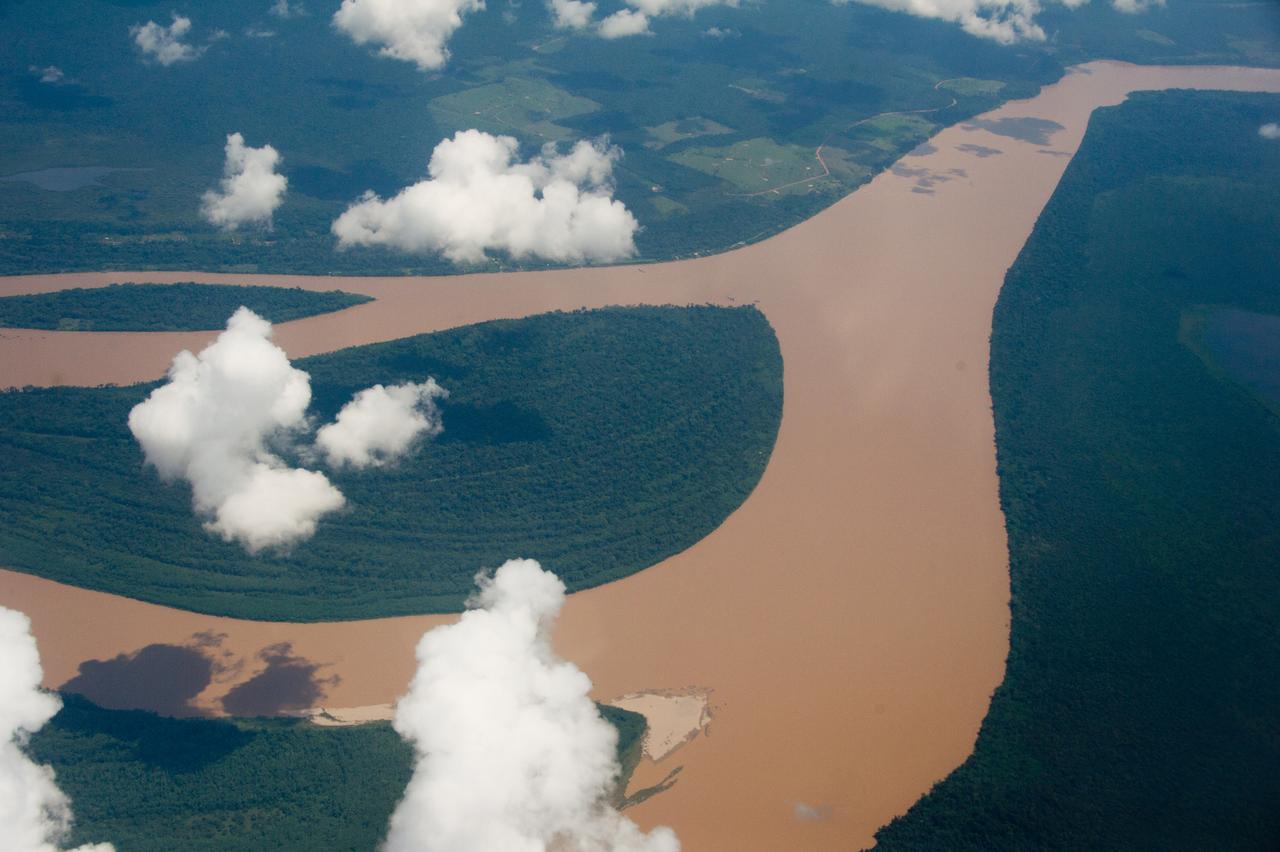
753, 165
972, 86
669, 132
516, 105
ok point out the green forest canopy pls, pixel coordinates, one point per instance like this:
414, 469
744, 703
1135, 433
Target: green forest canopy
165, 307
1142, 495
598, 442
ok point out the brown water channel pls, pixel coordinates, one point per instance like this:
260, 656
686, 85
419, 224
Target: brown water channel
850, 619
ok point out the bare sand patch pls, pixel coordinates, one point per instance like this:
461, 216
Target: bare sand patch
852, 616
674, 717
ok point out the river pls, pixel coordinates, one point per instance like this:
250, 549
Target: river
851, 619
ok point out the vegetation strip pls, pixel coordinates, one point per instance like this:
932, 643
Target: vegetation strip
165, 307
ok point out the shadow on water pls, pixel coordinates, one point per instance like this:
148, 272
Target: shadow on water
161, 678
288, 683
1037, 131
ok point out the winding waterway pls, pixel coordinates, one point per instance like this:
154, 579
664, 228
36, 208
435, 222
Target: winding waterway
851, 618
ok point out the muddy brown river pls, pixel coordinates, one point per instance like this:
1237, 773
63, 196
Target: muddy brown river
850, 620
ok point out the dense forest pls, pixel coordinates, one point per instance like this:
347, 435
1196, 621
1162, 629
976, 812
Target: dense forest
598, 442
795, 75
147, 782
165, 307
1141, 702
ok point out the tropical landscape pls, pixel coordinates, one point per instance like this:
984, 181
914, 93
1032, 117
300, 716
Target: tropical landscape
639, 426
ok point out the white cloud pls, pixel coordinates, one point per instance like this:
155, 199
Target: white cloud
624, 23
1269, 131
251, 189
1005, 21
1134, 7
635, 20
478, 198
655, 8
572, 14
412, 30
720, 33
164, 44
632, 21
35, 815
49, 74
211, 425
283, 9
380, 424
511, 752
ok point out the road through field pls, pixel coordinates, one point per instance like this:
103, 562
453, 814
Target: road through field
851, 618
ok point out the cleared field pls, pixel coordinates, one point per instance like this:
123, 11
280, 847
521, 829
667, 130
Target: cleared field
754, 164
972, 86
667, 206
662, 135
889, 133
519, 105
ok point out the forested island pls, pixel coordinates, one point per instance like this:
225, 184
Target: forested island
597, 442
165, 307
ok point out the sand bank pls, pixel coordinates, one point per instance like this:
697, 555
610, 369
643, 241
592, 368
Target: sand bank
674, 717
852, 615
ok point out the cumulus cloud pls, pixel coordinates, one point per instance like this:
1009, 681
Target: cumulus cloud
51, 74
35, 816
380, 424
1005, 21
283, 9
631, 21
478, 198
164, 44
250, 190
412, 30
654, 8
572, 14
624, 23
1134, 7
211, 425
635, 20
1269, 131
511, 752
